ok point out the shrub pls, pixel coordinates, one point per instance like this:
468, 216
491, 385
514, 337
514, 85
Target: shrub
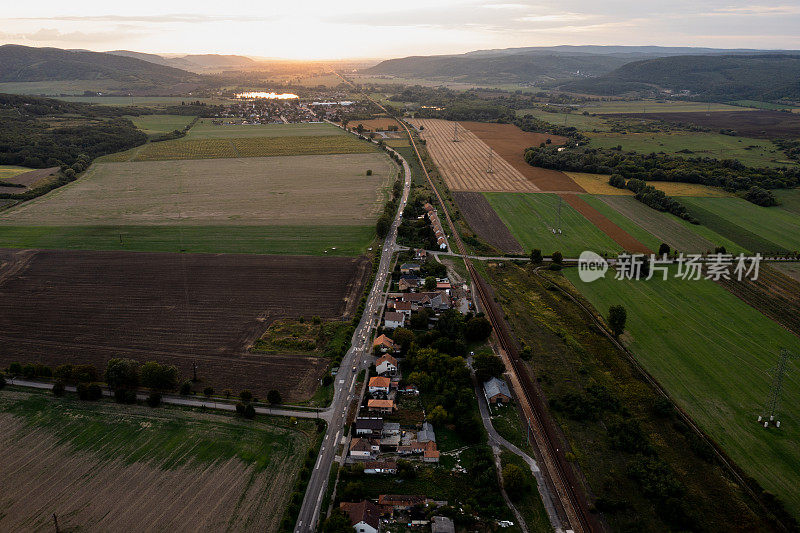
44, 371
246, 396
15, 369
124, 396
83, 391
249, 411
186, 388
240, 408
29, 371
159, 377
2, 380
95, 392
208, 392
154, 399
122, 373
274, 397
58, 388
83, 373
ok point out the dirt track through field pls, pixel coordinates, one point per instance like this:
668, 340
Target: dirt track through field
86, 307
485, 222
510, 143
90, 493
619, 235
464, 164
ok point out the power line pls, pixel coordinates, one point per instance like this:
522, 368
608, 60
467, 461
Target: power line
776, 387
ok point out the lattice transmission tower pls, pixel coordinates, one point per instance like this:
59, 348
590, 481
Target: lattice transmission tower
776, 387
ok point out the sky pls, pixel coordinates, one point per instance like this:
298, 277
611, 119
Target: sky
325, 29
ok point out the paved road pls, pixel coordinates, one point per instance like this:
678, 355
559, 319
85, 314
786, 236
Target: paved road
357, 357
496, 440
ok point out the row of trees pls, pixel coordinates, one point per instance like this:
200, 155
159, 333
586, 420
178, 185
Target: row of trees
650, 196
728, 174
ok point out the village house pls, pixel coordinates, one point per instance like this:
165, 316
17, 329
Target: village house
380, 467
420, 254
409, 268
430, 456
361, 448
426, 434
386, 344
380, 406
403, 307
379, 384
390, 428
370, 427
386, 364
365, 516
393, 320
442, 524
409, 283
400, 502
496, 391
409, 389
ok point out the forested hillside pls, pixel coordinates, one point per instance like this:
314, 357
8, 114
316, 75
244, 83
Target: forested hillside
757, 77
25, 64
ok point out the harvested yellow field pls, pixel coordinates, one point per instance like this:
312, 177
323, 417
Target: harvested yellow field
598, 184
463, 164
214, 148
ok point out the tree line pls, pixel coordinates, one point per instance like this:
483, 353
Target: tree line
728, 174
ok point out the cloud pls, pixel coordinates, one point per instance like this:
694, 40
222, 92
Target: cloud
187, 18
53, 35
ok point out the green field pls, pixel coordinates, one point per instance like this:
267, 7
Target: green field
762, 229
55, 88
254, 146
143, 100
789, 199
250, 205
751, 152
655, 106
665, 227
205, 129
156, 124
762, 105
575, 119
713, 353
82, 459
633, 229
284, 240
530, 217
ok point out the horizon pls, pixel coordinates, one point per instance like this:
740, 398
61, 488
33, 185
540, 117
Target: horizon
356, 32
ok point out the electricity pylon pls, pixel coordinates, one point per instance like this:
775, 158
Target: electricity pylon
773, 400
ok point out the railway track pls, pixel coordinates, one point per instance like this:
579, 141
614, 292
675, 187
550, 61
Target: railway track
573, 505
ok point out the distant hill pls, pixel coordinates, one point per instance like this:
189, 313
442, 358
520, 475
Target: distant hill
757, 77
193, 62
610, 68
499, 66
23, 63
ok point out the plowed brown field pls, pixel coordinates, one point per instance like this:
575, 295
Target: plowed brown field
620, 236
484, 221
464, 164
760, 124
86, 307
510, 142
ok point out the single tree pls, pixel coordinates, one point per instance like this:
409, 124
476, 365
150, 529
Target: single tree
430, 283
246, 396
58, 388
122, 373
208, 392
557, 258
186, 388
383, 225
477, 329
663, 250
536, 256
514, 481
617, 315
438, 416
274, 397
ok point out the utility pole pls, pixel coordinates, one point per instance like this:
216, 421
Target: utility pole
55, 522
773, 400
490, 169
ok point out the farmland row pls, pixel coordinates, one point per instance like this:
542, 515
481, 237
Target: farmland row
464, 163
216, 148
